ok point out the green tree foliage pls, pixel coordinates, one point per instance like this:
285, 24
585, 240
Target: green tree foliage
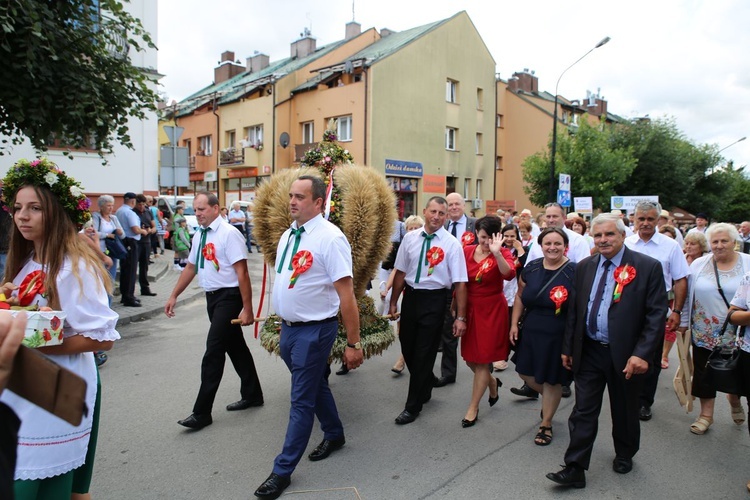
68, 74
589, 157
723, 195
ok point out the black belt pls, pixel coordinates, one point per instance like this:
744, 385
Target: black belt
603, 344
308, 323
231, 288
411, 289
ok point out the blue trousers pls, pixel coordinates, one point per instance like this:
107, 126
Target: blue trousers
305, 351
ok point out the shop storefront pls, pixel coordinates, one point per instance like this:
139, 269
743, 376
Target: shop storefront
404, 178
238, 184
199, 181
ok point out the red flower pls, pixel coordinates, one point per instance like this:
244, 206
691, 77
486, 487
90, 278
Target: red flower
54, 323
47, 336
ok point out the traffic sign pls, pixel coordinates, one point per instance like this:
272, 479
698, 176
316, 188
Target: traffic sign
564, 184
563, 198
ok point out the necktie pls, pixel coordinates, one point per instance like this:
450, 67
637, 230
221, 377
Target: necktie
453, 229
598, 298
426, 244
201, 259
297, 233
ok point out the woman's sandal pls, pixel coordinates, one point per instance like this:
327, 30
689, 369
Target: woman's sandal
701, 425
542, 438
738, 414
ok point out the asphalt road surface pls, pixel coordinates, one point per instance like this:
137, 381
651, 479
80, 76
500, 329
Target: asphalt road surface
152, 377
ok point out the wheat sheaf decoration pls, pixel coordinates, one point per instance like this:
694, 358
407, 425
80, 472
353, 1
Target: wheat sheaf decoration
362, 205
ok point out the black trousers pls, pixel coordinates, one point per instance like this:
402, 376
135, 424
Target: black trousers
144, 254
596, 371
449, 360
128, 269
421, 324
651, 378
224, 339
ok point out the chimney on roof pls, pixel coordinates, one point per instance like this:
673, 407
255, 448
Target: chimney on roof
527, 81
595, 104
257, 62
353, 29
513, 84
227, 68
386, 32
304, 46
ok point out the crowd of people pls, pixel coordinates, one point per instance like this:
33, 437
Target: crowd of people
598, 304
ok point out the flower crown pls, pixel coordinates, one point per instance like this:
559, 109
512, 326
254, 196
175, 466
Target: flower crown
43, 172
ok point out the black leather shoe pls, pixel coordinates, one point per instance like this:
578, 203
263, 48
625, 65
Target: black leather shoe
571, 475
525, 391
622, 465
273, 487
469, 423
343, 370
566, 391
645, 413
147, 293
196, 422
244, 404
443, 381
325, 448
494, 400
131, 303
405, 417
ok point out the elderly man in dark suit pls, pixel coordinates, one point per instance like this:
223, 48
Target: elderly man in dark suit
618, 315
457, 224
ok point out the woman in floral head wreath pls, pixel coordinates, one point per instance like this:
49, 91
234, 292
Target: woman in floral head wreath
49, 265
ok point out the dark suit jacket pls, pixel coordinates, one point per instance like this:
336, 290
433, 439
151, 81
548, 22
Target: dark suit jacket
470, 221
636, 322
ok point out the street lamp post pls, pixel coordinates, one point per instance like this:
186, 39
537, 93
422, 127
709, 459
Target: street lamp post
552, 184
735, 142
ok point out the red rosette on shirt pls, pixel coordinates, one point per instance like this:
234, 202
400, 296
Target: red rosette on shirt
484, 268
31, 285
468, 238
435, 256
623, 275
559, 295
209, 253
301, 262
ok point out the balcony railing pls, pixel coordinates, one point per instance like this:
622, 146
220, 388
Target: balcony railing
301, 149
117, 38
231, 157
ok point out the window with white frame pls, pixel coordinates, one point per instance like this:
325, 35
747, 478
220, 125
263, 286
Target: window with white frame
478, 190
308, 133
344, 131
467, 185
500, 121
254, 136
499, 163
480, 98
451, 91
205, 145
231, 138
478, 144
451, 137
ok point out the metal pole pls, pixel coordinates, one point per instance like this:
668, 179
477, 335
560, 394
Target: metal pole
552, 188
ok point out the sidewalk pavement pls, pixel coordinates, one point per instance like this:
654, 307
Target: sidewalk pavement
162, 279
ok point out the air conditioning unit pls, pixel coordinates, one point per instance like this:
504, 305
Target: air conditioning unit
477, 203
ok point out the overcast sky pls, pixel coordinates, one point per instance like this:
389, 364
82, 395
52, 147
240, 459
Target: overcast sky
675, 58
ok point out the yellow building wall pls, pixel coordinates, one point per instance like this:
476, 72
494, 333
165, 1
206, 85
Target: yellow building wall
408, 111
249, 112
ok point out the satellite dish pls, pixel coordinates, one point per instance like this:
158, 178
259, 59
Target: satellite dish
284, 140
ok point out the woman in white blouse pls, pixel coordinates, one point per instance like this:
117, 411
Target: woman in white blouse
48, 207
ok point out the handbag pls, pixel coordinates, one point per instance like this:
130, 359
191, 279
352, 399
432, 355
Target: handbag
115, 248
723, 372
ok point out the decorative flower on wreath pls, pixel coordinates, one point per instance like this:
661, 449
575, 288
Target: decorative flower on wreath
435, 256
468, 238
209, 253
31, 285
559, 295
43, 172
623, 275
484, 268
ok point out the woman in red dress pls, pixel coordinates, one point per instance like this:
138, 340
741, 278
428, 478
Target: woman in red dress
485, 340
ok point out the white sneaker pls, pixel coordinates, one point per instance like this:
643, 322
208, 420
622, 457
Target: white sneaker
176, 267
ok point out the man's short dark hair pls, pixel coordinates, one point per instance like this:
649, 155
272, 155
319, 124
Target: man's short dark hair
439, 199
141, 198
211, 198
318, 186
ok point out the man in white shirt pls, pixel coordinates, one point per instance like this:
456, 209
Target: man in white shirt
664, 219
428, 264
649, 241
313, 278
219, 257
526, 216
701, 223
744, 240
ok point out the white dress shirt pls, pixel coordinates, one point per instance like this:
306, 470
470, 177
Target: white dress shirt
578, 248
229, 248
313, 297
665, 250
460, 226
452, 269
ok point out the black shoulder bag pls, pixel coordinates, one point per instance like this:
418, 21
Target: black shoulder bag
544, 287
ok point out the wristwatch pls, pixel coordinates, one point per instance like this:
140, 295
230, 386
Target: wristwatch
678, 311
460, 318
357, 345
